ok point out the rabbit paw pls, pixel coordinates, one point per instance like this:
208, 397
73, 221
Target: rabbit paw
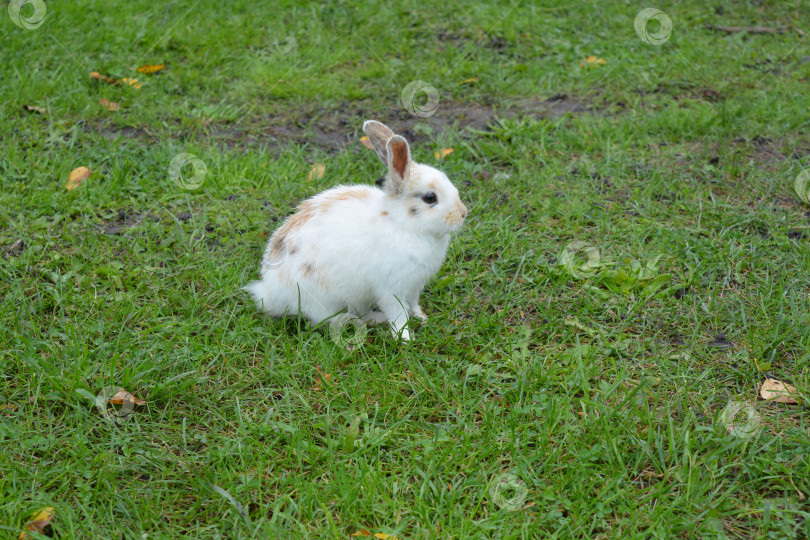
375, 317
417, 312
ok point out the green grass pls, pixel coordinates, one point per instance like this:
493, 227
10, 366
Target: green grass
601, 397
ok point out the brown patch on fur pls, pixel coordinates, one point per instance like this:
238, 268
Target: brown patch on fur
306, 211
307, 206
346, 194
350, 193
414, 210
310, 271
277, 246
383, 213
399, 156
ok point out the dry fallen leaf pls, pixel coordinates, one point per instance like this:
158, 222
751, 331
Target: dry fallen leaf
109, 105
317, 171
122, 395
77, 176
135, 83
365, 141
592, 61
9, 407
318, 386
778, 391
380, 535
31, 108
443, 153
38, 523
150, 68
468, 81
100, 77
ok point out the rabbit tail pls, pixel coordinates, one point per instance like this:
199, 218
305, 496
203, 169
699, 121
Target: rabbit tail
262, 295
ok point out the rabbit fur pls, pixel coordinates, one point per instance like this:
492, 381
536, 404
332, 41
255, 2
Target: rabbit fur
359, 251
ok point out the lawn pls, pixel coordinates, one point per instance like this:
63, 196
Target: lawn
636, 262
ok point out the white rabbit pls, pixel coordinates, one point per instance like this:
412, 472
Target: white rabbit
360, 249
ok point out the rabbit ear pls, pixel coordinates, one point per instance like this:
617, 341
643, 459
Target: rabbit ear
399, 163
378, 133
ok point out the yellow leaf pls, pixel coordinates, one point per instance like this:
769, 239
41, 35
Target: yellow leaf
592, 61
76, 177
38, 523
109, 105
122, 395
468, 81
443, 153
135, 83
361, 532
778, 391
31, 108
100, 77
365, 141
317, 171
150, 68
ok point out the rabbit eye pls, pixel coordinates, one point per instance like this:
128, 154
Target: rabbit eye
430, 198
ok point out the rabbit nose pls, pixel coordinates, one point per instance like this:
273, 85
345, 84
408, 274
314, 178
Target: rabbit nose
462, 210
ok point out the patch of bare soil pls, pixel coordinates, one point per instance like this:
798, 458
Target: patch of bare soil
682, 91
120, 223
337, 127
767, 153
14, 249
